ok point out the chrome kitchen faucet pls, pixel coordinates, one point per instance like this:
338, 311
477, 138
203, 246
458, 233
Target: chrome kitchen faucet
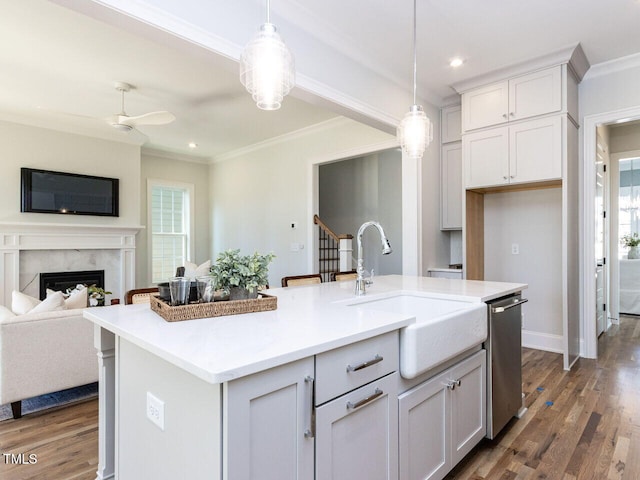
361, 282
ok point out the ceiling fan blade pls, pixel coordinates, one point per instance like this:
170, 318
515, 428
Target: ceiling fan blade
152, 118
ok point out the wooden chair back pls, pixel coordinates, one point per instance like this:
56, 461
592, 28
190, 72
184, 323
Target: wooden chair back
139, 295
301, 280
341, 276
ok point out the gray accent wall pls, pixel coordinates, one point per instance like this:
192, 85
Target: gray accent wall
359, 189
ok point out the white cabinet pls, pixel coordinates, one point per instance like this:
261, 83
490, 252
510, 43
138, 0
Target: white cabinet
522, 97
451, 121
357, 434
337, 411
525, 152
357, 410
442, 419
445, 273
268, 428
451, 186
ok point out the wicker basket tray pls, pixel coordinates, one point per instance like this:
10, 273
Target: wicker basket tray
213, 309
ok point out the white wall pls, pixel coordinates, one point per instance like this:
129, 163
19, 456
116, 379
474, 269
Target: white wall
609, 87
608, 90
26, 146
435, 243
532, 219
256, 196
176, 169
366, 188
624, 138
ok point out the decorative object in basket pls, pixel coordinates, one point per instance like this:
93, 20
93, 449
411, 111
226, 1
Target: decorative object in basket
212, 309
241, 275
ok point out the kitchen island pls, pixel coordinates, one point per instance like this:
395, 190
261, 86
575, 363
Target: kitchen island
263, 395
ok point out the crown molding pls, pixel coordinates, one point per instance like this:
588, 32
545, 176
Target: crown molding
182, 157
572, 55
612, 66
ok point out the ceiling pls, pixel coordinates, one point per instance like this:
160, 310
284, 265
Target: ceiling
60, 69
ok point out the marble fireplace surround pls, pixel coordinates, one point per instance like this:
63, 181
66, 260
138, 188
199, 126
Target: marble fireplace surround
27, 249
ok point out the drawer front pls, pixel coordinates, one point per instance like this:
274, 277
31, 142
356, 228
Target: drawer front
347, 368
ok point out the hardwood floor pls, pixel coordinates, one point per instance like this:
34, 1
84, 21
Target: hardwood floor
56, 444
583, 424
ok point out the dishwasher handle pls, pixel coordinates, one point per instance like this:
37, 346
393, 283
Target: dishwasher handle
507, 307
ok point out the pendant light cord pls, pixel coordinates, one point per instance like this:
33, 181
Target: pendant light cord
268, 12
415, 61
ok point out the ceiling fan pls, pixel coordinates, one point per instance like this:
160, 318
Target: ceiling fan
126, 123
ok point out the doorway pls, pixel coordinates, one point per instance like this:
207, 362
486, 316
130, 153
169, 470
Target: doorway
589, 227
363, 188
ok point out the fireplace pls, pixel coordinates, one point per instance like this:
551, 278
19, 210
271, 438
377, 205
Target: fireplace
27, 249
61, 281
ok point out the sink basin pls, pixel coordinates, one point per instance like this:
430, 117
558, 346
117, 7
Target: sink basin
443, 328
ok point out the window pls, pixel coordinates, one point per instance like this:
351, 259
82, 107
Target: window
629, 198
170, 227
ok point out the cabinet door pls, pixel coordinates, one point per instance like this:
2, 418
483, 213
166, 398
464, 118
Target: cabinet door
485, 106
485, 158
535, 94
468, 405
266, 416
357, 434
424, 437
535, 150
451, 120
451, 187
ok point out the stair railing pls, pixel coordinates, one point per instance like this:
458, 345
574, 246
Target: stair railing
334, 250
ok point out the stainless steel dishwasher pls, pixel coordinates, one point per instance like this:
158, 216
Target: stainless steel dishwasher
504, 362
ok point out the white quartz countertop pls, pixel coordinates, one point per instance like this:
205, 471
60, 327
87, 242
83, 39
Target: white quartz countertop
309, 320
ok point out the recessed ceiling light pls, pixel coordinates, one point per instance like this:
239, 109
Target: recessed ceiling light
456, 62
193, 145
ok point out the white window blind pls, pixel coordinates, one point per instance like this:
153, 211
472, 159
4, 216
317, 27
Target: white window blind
169, 230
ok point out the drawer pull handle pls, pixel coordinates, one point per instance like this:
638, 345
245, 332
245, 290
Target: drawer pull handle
452, 384
373, 361
310, 431
377, 393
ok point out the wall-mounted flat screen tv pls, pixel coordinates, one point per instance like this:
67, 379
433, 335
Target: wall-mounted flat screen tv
43, 191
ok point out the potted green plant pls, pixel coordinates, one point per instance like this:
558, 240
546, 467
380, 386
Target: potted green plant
241, 275
96, 295
631, 240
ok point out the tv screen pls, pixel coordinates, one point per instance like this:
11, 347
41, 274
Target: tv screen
43, 191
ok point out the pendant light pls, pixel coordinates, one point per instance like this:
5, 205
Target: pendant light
266, 67
415, 131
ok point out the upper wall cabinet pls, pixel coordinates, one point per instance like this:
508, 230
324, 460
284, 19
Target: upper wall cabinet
450, 118
524, 152
525, 96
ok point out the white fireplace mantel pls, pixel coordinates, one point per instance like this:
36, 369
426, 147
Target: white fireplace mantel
17, 237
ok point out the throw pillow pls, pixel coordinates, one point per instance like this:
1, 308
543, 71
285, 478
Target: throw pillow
5, 313
191, 270
79, 298
50, 304
76, 298
21, 303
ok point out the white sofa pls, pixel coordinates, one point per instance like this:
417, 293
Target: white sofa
43, 353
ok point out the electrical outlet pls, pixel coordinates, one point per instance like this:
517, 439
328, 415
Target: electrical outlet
155, 410
515, 249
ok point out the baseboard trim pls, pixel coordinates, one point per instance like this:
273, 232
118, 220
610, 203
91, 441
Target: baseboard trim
542, 341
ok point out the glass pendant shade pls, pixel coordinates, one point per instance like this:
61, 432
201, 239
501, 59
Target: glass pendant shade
415, 132
267, 68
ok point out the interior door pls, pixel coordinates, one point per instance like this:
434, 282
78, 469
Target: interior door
600, 240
